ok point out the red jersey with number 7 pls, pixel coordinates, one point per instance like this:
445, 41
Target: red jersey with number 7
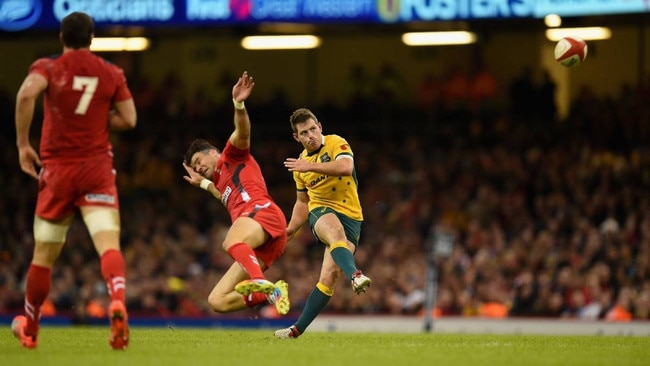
81, 90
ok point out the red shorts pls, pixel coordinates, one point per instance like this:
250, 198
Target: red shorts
64, 186
274, 223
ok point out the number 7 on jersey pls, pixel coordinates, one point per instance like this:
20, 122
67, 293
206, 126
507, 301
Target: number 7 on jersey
89, 85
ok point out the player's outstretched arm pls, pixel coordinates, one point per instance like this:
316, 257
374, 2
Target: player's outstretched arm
336, 168
241, 136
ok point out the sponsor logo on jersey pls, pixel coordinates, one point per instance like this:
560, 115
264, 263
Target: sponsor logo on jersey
224, 196
317, 180
100, 197
325, 158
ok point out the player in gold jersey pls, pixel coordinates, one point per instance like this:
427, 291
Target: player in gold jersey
327, 196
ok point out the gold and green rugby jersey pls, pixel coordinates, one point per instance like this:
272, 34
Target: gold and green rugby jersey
339, 193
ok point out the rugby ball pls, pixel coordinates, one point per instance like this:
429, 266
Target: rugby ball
570, 51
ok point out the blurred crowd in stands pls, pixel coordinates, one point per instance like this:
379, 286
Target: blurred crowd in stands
549, 216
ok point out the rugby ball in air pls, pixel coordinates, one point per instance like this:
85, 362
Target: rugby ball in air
570, 51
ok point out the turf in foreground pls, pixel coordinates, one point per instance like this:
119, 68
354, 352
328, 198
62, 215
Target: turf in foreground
228, 347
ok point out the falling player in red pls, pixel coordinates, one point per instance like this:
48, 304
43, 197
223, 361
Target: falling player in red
84, 97
257, 236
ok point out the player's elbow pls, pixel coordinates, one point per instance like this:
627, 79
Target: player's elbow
347, 171
129, 118
24, 98
131, 121
118, 122
127, 114
346, 167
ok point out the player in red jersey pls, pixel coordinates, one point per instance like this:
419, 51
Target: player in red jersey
84, 98
257, 237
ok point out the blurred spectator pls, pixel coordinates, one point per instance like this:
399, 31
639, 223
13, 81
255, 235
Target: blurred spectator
523, 95
482, 89
620, 312
546, 99
456, 90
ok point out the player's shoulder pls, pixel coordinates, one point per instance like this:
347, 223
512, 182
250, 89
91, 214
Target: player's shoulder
333, 138
44, 65
108, 64
233, 152
336, 141
46, 60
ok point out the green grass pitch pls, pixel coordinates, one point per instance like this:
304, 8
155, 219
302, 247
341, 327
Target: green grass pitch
67, 346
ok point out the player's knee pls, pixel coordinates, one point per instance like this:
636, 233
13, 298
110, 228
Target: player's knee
100, 220
217, 303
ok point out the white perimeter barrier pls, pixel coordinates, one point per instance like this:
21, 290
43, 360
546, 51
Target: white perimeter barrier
463, 325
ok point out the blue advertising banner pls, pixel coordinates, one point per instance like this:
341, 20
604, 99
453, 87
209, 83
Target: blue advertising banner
16, 15
590, 7
19, 15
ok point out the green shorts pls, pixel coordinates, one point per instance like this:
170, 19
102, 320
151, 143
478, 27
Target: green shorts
352, 227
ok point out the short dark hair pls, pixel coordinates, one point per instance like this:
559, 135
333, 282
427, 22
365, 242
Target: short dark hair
198, 145
77, 30
299, 116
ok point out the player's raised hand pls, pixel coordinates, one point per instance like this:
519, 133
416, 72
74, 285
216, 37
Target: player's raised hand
193, 177
28, 159
243, 88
